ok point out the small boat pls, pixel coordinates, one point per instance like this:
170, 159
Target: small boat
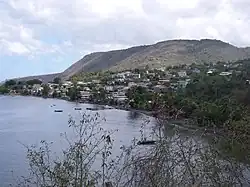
149, 142
92, 109
78, 108
108, 107
58, 110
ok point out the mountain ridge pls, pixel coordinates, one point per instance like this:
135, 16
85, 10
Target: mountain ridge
160, 54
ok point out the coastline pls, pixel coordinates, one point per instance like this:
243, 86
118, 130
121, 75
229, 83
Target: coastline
174, 123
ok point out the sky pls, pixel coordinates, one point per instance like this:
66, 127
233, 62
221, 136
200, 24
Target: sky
46, 36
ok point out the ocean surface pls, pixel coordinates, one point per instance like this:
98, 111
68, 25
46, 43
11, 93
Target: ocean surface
28, 120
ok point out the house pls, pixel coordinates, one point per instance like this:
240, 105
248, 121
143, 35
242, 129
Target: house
86, 89
119, 97
161, 69
96, 81
146, 80
110, 82
225, 73
122, 75
127, 73
131, 84
174, 85
143, 85
183, 83
85, 95
120, 80
211, 71
196, 70
109, 88
125, 89
135, 76
164, 81
80, 83
150, 74
182, 73
160, 89
67, 84
53, 85
37, 88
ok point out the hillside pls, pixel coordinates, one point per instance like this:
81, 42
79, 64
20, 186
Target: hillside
157, 55
183, 52
44, 78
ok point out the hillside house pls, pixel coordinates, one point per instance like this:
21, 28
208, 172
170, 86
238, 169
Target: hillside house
109, 88
131, 84
85, 95
211, 71
96, 81
67, 84
183, 83
80, 83
122, 75
225, 73
196, 70
182, 73
160, 89
119, 97
135, 76
164, 81
36, 88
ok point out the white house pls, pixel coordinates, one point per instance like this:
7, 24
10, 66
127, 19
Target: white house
37, 88
182, 73
96, 81
67, 84
183, 83
131, 84
160, 89
80, 83
109, 88
119, 96
85, 95
196, 70
225, 73
135, 75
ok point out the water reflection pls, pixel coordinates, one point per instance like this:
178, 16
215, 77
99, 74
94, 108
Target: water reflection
135, 115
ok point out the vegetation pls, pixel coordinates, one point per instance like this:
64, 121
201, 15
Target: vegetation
34, 81
88, 161
57, 80
212, 104
3, 90
73, 93
9, 83
45, 90
220, 104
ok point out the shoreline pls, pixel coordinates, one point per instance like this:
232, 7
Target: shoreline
173, 123
149, 113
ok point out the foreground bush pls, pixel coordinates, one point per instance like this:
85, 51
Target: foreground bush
174, 160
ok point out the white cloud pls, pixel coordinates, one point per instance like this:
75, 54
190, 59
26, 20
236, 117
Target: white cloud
16, 48
33, 28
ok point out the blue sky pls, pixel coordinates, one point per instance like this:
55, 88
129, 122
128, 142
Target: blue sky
38, 37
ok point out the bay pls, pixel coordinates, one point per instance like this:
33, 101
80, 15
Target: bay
28, 120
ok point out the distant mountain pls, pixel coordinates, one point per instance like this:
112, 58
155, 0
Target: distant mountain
45, 78
157, 55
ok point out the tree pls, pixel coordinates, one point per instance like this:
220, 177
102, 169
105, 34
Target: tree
3, 90
74, 167
171, 161
34, 81
57, 80
73, 93
45, 91
9, 83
